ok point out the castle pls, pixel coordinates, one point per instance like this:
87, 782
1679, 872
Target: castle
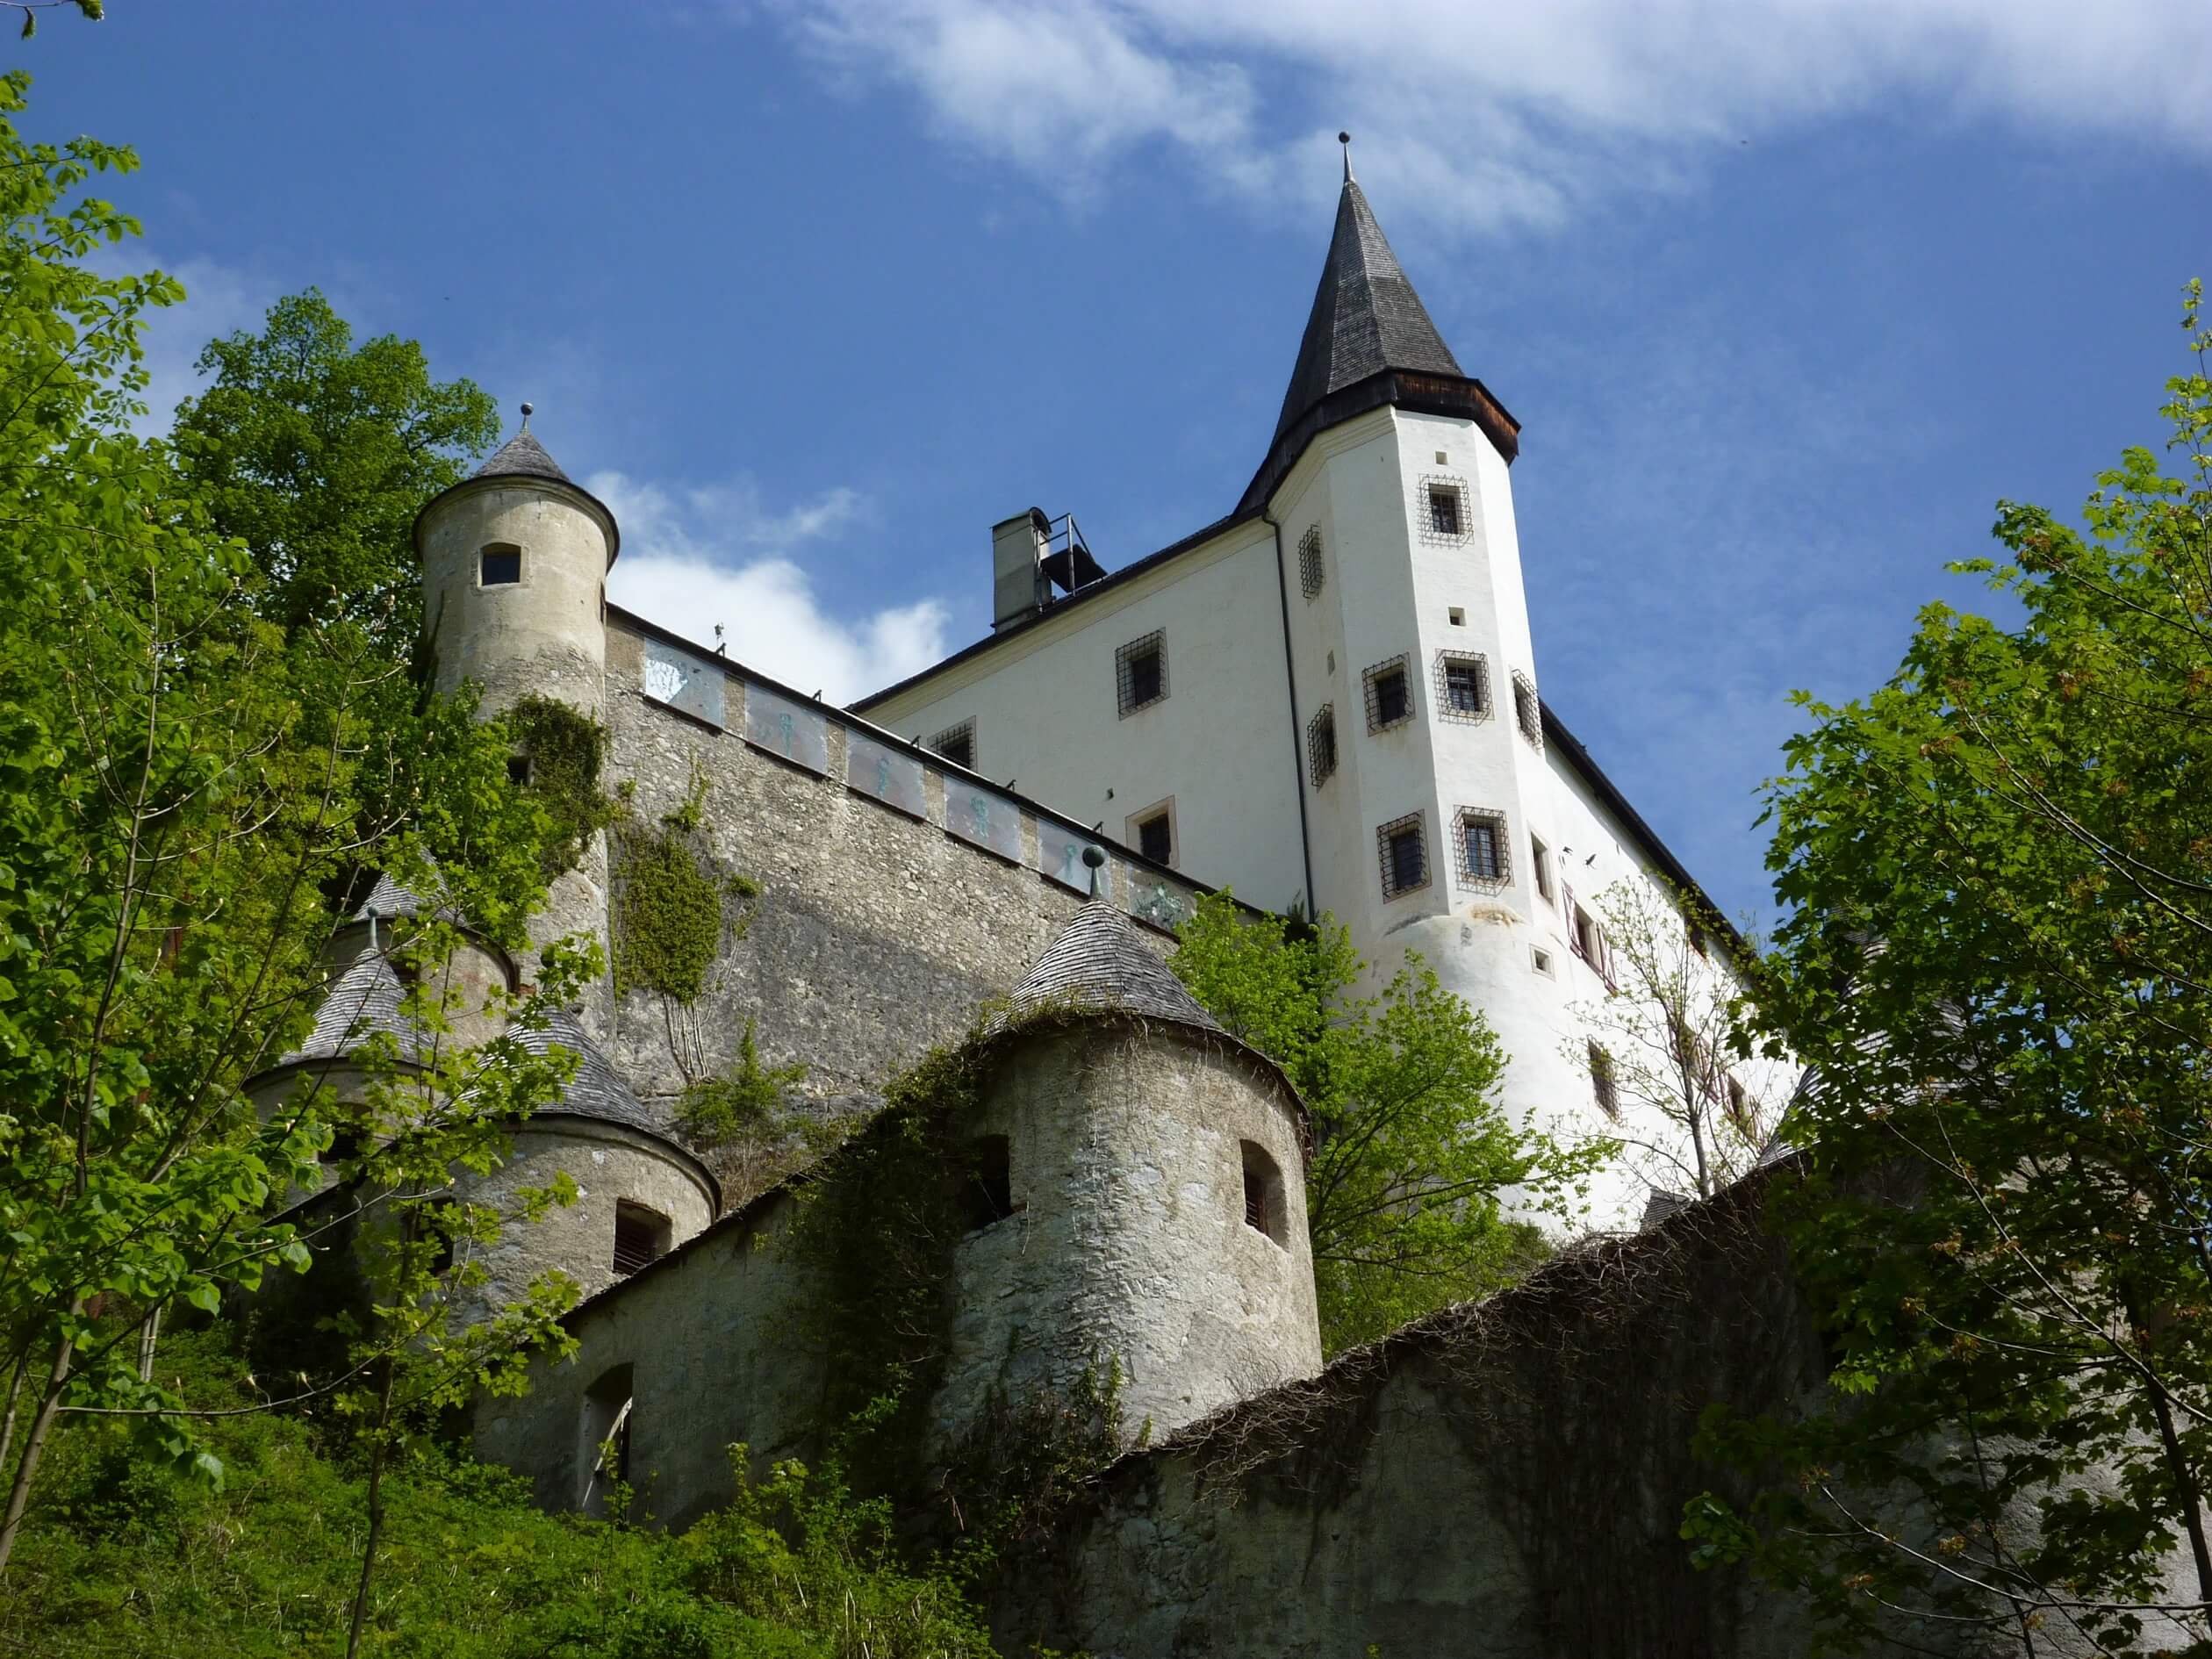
1327, 698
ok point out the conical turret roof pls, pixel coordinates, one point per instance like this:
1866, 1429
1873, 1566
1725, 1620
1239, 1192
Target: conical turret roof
522, 453
1366, 316
1099, 963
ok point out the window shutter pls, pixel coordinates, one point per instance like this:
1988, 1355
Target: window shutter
1567, 910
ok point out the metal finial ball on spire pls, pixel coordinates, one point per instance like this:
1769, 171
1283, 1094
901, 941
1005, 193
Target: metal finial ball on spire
528, 411
1344, 138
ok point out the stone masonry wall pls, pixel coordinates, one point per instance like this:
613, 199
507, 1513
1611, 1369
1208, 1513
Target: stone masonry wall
1129, 1242
878, 929
1504, 1479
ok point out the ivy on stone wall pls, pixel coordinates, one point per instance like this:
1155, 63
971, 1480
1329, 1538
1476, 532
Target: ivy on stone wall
877, 1223
672, 911
562, 750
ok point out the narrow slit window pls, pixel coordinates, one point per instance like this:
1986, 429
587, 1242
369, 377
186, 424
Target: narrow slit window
956, 744
1264, 1208
1140, 672
1390, 700
607, 1433
990, 1191
499, 565
1403, 851
1540, 863
641, 1236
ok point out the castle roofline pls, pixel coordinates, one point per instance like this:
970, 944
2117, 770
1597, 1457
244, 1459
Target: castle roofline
521, 460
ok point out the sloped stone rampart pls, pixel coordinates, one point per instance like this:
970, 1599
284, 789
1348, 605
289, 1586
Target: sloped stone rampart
1502, 1479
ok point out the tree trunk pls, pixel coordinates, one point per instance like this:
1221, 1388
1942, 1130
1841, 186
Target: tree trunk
376, 1512
34, 1446
15, 1398
2185, 1482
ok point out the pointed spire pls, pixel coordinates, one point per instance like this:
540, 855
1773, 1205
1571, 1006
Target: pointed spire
1099, 963
522, 453
1366, 316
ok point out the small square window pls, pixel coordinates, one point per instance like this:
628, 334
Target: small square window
1528, 712
1390, 700
1541, 959
1403, 848
1601, 1081
1321, 747
1458, 617
956, 744
1156, 838
641, 1236
1443, 459
1309, 571
500, 566
519, 771
1140, 671
1540, 863
1462, 686
1480, 838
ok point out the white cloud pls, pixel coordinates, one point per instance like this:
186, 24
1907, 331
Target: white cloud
695, 557
1479, 115
218, 299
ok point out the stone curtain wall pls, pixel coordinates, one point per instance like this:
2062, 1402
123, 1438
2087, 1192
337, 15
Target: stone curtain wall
1502, 1479
897, 895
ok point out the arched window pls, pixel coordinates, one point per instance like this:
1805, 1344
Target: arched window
605, 1432
641, 1235
498, 564
1263, 1201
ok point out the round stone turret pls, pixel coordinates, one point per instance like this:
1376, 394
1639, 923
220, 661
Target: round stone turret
1148, 1174
515, 563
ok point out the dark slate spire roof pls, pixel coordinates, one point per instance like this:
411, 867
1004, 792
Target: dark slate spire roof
597, 1090
388, 898
522, 453
1100, 963
1366, 316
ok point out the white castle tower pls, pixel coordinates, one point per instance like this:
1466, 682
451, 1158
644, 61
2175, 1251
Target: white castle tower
1329, 698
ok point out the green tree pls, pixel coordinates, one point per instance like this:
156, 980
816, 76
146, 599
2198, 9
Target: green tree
318, 454
182, 785
1411, 1151
1998, 959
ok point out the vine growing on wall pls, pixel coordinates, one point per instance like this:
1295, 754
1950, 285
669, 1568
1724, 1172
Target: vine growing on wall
562, 750
877, 1223
675, 908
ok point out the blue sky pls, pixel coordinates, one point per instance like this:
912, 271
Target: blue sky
1784, 295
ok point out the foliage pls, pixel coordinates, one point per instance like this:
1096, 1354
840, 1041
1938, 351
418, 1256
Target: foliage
1997, 958
318, 454
742, 1117
1667, 1033
122, 1561
565, 748
669, 920
1411, 1151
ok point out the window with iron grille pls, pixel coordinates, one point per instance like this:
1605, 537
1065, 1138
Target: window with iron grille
1478, 839
1310, 573
1321, 756
1389, 698
1601, 1081
1140, 671
1439, 508
641, 1235
1265, 1211
1402, 847
1462, 686
1528, 712
956, 744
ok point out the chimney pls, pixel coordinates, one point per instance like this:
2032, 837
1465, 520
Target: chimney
1017, 567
